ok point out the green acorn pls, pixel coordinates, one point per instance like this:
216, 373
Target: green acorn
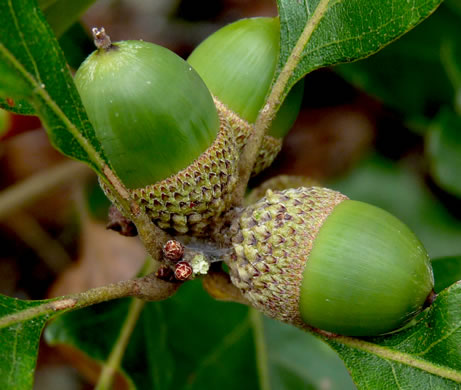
238, 63
159, 127
312, 257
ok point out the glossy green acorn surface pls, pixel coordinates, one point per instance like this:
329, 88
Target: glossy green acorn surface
312, 257
367, 273
238, 63
151, 111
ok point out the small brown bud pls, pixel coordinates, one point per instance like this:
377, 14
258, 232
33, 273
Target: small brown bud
165, 273
120, 224
183, 270
173, 250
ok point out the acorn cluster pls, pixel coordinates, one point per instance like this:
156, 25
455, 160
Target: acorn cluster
174, 138
173, 132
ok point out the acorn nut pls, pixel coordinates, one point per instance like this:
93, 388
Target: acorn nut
237, 64
159, 128
312, 257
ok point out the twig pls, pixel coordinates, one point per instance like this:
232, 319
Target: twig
33, 235
148, 288
273, 102
29, 190
115, 358
113, 362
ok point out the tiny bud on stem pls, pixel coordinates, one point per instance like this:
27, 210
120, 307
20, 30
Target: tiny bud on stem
183, 270
173, 250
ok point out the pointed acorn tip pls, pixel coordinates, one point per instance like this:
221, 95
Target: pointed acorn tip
101, 39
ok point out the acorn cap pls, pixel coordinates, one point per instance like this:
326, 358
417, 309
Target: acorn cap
311, 256
193, 200
150, 110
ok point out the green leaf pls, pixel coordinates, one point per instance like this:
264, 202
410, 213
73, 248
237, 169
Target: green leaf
30, 52
299, 360
76, 45
447, 270
398, 189
454, 5
189, 341
424, 356
194, 342
62, 14
20, 330
417, 74
328, 32
11, 84
444, 150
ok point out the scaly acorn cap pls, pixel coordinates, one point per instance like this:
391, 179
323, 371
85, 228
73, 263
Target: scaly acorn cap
159, 127
238, 63
312, 257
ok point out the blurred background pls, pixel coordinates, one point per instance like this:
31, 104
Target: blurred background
385, 130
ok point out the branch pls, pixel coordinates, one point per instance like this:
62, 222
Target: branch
112, 364
273, 103
29, 190
147, 288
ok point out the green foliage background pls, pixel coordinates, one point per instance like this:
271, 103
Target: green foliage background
193, 342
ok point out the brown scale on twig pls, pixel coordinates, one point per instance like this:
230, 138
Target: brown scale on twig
119, 223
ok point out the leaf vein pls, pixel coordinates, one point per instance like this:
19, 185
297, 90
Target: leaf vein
23, 41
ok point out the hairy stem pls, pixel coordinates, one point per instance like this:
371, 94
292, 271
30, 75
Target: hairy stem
273, 102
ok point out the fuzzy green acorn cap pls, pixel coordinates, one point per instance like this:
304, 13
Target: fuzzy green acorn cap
195, 198
274, 239
242, 130
312, 256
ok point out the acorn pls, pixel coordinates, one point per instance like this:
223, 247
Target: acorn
238, 64
312, 257
160, 130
